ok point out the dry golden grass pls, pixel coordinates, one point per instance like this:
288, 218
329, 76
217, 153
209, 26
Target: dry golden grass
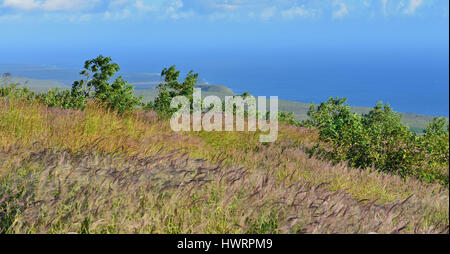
94, 171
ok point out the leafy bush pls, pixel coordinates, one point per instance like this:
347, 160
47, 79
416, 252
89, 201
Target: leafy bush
286, 118
63, 99
97, 72
118, 95
434, 151
171, 88
381, 140
12, 90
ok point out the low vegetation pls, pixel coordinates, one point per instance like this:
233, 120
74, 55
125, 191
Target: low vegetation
381, 140
95, 159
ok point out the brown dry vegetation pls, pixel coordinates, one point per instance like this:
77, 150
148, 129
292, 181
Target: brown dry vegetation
94, 171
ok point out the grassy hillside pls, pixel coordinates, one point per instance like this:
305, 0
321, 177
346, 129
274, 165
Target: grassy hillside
95, 171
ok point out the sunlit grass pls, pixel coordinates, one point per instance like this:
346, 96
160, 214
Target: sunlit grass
95, 171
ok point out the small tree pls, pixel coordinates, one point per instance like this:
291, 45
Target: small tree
389, 143
171, 88
97, 72
434, 148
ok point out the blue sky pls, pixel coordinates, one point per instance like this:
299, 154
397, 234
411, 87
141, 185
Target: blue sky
32, 24
372, 46
236, 10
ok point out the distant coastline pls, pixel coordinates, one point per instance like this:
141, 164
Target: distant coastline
416, 122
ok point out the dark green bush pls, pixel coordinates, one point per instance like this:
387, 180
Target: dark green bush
63, 99
12, 90
287, 118
381, 140
434, 151
171, 88
97, 72
118, 96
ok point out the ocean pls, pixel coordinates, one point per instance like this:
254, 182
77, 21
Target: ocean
410, 80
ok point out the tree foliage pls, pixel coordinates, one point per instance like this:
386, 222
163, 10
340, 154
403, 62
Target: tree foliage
170, 88
96, 85
379, 139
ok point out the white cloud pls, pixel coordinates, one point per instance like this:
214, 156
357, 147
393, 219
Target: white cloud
8, 18
182, 15
268, 13
297, 12
341, 12
80, 18
174, 10
174, 5
64, 5
227, 7
50, 5
384, 6
234, 10
413, 5
119, 2
118, 15
21, 4
143, 7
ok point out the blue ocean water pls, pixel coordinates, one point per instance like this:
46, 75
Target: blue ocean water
411, 80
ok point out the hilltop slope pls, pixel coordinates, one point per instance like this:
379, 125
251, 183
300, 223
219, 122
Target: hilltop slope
94, 171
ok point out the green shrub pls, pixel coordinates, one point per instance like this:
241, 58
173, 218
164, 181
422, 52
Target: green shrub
118, 96
97, 72
12, 90
286, 118
434, 149
63, 99
171, 88
381, 140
